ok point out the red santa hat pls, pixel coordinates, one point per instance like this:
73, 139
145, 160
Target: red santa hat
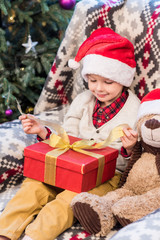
150, 104
107, 54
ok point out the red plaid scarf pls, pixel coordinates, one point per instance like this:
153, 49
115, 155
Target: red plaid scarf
102, 115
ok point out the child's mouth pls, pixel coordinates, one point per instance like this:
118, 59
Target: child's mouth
101, 95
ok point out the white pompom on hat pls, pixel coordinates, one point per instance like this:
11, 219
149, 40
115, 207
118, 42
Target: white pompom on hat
150, 104
107, 54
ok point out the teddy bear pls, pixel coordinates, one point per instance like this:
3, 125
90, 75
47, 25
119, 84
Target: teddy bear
139, 190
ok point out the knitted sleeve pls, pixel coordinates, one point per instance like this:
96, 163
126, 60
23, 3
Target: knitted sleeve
47, 136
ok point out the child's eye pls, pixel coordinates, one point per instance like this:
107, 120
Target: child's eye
92, 80
108, 82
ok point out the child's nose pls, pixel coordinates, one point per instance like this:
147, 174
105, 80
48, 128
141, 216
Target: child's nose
99, 86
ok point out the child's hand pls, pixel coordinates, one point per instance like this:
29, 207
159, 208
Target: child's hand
129, 139
32, 126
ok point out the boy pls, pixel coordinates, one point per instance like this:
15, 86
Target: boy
108, 66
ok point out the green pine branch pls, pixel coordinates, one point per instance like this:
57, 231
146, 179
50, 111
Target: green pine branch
22, 76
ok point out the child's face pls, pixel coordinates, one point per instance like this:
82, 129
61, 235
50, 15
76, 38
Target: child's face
105, 90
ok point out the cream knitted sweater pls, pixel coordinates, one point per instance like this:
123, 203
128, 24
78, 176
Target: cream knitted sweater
78, 120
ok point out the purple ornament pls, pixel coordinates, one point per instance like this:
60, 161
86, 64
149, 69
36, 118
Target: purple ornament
67, 4
9, 112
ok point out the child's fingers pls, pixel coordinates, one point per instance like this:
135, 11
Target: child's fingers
22, 117
134, 133
30, 116
26, 129
126, 132
29, 120
129, 140
130, 132
124, 139
27, 124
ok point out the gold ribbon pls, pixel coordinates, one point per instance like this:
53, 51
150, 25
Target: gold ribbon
61, 143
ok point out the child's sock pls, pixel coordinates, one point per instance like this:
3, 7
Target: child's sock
26, 238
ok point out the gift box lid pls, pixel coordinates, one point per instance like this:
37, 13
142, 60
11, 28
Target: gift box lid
71, 159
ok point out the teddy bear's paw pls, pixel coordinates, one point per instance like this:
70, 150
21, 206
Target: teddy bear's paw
127, 209
87, 217
82, 205
91, 221
93, 213
84, 197
123, 221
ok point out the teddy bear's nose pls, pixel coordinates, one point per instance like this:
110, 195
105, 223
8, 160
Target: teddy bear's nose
152, 123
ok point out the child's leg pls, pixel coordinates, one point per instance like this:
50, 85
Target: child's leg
27, 203
57, 215
54, 218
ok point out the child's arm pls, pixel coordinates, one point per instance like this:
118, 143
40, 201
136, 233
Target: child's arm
129, 139
32, 126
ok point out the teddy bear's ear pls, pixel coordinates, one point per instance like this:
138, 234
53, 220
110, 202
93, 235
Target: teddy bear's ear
136, 153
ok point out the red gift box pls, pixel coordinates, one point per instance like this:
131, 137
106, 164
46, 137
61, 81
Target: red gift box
72, 170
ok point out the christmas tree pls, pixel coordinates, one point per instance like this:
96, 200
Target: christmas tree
30, 34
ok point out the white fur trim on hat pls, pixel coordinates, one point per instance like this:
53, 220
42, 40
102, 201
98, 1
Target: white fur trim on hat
149, 107
109, 68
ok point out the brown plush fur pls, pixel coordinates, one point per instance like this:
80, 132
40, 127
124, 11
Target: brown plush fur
139, 193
